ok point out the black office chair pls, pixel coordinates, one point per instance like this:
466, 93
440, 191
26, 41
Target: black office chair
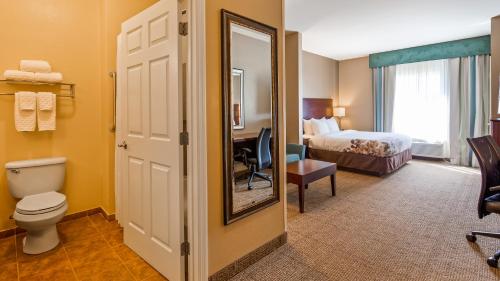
262, 158
488, 155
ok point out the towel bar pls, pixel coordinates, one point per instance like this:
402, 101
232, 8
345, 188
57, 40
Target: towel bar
68, 87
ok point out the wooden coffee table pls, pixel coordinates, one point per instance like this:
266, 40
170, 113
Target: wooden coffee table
305, 171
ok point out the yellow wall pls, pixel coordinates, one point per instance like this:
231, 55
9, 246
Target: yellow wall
77, 38
228, 243
495, 64
293, 81
355, 92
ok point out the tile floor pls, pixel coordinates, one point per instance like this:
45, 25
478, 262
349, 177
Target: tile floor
92, 249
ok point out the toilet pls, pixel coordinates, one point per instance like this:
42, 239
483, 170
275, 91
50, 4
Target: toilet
36, 183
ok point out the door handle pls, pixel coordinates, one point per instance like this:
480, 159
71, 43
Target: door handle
123, 144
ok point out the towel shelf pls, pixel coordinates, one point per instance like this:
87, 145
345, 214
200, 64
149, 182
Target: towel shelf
66, 87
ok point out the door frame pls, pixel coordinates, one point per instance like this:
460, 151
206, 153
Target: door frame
196, 201
197, 204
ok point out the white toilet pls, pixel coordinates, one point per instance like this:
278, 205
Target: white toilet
36, 183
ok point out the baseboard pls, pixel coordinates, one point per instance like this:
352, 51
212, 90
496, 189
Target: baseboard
427, 158
244, 262
86, 213
109, 217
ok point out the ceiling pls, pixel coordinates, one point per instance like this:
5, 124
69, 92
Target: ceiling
344, 29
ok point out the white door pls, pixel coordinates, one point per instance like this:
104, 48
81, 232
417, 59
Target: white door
150, 103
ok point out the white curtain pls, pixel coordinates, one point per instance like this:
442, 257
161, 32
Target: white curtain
421, 104
389, 94
470, 105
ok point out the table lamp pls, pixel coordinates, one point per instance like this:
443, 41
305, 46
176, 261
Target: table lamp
339, 112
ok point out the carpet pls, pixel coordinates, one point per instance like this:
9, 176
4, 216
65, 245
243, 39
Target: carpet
244, 198
410, 225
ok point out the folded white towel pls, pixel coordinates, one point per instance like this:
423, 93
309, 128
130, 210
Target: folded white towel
45, 101
19, 75
46, 118
35, 66
27, 101
25, 120
51, 77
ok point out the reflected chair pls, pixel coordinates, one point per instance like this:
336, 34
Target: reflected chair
262, 158
488, 155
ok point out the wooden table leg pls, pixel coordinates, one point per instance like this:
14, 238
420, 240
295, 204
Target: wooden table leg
333, 183
301, 198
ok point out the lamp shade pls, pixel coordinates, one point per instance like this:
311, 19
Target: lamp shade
339, 111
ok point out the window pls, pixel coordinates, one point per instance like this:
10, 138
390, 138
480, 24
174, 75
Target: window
421, 101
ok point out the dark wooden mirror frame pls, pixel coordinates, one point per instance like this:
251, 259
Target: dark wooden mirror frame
227, 123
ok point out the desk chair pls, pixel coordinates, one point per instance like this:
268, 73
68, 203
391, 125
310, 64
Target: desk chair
488, 155
262, 158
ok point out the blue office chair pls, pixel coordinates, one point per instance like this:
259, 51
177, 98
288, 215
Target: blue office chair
262, 158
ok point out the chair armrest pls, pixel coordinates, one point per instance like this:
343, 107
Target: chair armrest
299, 149
495, 188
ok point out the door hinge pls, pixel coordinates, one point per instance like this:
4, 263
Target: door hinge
183, 28
184, 138
185, 250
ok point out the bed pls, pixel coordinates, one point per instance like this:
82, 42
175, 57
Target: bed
374, 153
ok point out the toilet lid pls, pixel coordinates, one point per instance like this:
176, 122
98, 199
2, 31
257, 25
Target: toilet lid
41, 203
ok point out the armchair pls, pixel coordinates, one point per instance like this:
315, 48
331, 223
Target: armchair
295, 152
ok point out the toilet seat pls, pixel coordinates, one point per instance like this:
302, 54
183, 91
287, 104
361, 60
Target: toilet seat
41, 203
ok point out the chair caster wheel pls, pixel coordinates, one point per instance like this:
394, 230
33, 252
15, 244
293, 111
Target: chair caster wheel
493, 262
471, 238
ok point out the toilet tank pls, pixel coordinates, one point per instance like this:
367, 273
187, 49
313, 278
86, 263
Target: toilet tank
35, 176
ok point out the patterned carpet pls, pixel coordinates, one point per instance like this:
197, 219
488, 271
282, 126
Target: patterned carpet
407, 226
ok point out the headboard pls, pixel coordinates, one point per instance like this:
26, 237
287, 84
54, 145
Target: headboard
317, 108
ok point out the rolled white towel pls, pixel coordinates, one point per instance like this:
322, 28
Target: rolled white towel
48, 77
19, 75
35, 66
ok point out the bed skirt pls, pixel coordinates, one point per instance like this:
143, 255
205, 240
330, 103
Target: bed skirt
363, 163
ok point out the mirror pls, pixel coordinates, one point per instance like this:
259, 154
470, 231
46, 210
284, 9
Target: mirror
250, 116
238, 100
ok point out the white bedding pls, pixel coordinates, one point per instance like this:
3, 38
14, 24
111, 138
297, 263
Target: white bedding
369, 143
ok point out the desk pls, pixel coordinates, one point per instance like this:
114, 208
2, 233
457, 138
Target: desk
245, 137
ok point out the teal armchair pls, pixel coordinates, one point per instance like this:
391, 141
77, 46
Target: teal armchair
295, 152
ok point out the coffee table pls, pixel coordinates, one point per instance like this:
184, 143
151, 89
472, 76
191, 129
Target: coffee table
306, 171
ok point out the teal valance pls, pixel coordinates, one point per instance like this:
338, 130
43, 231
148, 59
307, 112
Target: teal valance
452, 49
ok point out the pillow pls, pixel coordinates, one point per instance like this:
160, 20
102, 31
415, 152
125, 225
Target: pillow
307, 127
332, 124
319, 127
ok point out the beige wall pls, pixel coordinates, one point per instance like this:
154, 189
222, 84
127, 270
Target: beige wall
293, 66
228, 243
355, 90
248, 54
320, 77
77, 38
495, 64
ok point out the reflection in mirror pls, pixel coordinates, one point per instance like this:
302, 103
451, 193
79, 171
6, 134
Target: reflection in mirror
238, 106
251, 54
251, 168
